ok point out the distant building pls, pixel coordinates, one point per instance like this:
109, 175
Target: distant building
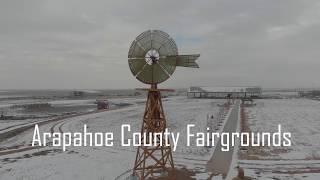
310, 94
225, 92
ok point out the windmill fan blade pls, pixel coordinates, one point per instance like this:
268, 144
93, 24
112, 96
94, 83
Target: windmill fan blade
136, 50
187, 60
152, 74
168, 63
145, 74
160, 73
136, 65
136, 58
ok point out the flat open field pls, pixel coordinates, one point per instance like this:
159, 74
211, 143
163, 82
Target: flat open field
301, 117
108, 162
298, 116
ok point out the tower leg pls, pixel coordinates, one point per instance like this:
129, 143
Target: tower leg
155, 160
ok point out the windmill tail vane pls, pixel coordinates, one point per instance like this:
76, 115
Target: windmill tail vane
186, 60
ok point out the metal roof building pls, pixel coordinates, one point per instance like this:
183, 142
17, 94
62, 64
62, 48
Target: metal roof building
225, 92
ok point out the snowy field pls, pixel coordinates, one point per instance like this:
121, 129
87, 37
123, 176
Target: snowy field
109, 162
57, 108
301, 117
298, 116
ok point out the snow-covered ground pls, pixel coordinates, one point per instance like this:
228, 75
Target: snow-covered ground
301, 117
58, 108
109, 162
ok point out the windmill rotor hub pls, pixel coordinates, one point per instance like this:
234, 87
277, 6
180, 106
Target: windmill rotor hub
152, 57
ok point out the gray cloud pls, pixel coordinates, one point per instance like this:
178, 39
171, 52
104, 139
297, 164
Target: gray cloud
84, 44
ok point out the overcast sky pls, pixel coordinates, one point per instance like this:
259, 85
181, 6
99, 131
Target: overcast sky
84, 44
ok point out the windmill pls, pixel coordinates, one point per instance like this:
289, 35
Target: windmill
153, 57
